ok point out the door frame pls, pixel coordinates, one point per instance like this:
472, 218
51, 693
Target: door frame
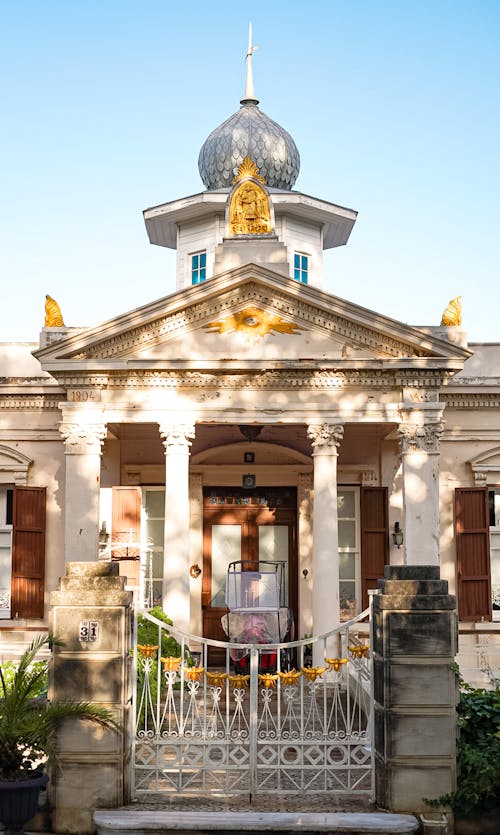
254, 508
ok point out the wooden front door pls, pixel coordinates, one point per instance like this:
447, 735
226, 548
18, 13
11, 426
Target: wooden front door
245, 525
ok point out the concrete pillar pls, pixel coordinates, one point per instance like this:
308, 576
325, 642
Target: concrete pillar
420, 478
83, 434
414, 645
325, 439
176, 593
91, 612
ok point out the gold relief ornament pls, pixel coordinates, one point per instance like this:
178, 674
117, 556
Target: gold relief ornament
249, 210
53, 315
268, 680
147, 650
171, 664
216, 679
252, 324
291, 677
360, 650
238, 680
452, 314
336, 663
248, 168
193, 673
312, 673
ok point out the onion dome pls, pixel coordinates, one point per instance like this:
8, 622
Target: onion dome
249, 132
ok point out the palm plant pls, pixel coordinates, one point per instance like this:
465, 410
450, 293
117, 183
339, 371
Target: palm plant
28, 722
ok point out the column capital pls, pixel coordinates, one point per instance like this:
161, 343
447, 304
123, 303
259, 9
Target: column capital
82, 438
325, 437
420, 437
179, 435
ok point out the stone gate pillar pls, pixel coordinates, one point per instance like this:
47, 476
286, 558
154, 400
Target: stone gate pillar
92, 614
415, 692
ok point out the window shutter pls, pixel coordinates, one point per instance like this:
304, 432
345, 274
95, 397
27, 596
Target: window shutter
374, 538
126, 529
28, 552
472, 538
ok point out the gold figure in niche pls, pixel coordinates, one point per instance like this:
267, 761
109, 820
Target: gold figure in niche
249, 211
53, 315
452, 315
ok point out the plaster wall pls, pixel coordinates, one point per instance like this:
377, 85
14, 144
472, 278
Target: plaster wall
306, 239
16, 360
197, 236
485, 361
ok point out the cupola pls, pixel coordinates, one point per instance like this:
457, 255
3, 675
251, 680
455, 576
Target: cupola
249, 133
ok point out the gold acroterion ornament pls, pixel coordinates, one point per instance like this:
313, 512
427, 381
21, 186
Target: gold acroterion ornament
53, 315
452, 315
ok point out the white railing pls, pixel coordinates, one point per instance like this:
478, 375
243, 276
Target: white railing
262, 721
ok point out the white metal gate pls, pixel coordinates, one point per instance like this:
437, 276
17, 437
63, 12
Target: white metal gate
283, 725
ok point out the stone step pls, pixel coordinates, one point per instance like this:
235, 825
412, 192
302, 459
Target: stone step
129, 822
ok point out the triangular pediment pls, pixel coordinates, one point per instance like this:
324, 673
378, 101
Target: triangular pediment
247, 314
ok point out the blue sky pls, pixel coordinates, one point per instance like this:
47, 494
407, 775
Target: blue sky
394, 107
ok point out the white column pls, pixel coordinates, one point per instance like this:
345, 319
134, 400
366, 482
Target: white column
420, 476
305, 541
83, 435
176, 597
325, 439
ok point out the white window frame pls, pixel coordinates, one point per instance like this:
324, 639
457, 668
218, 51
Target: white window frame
5, 554
303, 272
355, 491
149, 548
196, 271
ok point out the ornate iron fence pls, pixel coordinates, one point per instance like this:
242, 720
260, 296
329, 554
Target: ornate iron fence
265, 721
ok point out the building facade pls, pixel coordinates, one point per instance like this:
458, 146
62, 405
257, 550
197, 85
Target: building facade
249, 415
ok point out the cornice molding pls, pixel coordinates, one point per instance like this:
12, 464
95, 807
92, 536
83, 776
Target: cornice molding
29, 402
471, 400
418, 379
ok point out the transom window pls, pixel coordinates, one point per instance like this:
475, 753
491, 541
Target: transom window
301, 267
198, 267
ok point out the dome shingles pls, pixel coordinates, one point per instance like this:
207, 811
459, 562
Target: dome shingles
249, 132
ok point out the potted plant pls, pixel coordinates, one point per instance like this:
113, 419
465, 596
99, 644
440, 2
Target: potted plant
28, 723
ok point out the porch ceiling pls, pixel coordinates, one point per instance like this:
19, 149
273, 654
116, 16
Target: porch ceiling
360, 440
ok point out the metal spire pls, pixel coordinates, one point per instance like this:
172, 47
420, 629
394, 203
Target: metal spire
249, 97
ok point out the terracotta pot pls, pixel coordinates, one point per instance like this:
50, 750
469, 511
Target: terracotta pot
19, 802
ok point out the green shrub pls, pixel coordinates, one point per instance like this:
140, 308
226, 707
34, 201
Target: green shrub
147, 633
478, 753
40, 676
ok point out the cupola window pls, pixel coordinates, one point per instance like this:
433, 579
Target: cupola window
198, 267
301, 267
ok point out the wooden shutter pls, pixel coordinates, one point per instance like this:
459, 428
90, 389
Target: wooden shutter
28, 552
472, 538
126, 532
374, 538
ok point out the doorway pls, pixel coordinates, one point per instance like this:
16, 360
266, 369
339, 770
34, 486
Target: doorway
250, 525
